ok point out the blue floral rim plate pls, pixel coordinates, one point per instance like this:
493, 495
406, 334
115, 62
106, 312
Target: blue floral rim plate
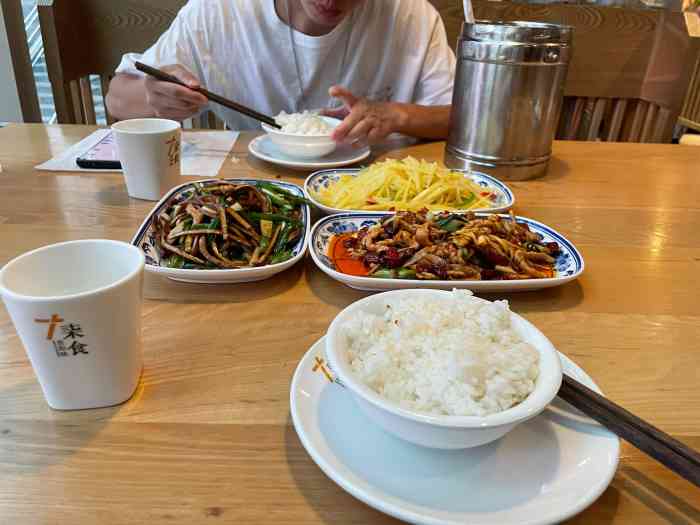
505, 199
145, 240
569, 264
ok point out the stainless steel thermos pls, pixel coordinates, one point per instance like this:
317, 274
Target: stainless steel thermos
507, 97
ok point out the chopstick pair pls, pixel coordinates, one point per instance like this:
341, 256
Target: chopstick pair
166, 77
669, 451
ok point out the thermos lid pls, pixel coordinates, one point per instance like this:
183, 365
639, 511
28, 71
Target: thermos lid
521, 32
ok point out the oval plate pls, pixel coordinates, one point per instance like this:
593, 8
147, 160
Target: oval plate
568, 267
145, 240
314, 182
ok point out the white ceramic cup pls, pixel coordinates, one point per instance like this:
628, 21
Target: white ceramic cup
149, 150
77, 309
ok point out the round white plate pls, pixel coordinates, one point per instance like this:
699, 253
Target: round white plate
264, 149
544, 471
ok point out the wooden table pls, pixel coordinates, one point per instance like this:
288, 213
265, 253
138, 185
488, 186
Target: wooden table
208, 436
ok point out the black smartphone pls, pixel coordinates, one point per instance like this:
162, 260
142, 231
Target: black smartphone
102, 156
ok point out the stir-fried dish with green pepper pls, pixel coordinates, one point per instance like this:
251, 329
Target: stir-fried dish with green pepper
445, 246
229, 226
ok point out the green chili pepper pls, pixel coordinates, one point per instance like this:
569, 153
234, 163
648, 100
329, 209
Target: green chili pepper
285, 193
453, 226
174, 261
283, 237
466, 202
281, 257
388, 273
384, 273
407, 273
275, 217
275, 198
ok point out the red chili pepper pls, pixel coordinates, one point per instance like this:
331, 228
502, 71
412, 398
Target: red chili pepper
391, 258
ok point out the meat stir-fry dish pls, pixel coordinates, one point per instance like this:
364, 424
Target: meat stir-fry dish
447, 247
229, 226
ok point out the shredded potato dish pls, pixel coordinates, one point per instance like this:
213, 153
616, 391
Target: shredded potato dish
407, 184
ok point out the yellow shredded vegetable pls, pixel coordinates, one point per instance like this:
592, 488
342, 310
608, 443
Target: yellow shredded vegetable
407, 184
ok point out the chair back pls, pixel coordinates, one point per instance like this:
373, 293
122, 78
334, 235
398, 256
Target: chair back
11, 11
89, 37
629, 69
690, 114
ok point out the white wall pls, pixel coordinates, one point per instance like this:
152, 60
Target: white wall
10, 109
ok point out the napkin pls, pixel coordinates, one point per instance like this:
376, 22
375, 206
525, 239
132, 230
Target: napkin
203, 153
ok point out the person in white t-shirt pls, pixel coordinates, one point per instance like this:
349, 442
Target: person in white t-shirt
384, 66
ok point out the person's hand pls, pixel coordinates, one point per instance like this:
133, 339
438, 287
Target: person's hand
364, 121
168, 100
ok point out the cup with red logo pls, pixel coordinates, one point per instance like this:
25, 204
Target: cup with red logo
76, 307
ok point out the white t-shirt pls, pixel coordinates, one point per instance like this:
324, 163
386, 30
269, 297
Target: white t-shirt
385, 50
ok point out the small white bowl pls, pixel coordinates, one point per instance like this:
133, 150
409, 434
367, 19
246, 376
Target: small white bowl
303, 146
434, 431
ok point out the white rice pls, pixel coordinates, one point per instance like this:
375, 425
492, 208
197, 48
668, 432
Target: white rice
458, 356
304, 123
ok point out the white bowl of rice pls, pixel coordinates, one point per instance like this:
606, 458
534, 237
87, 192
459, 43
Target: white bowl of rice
442, 369
304, 135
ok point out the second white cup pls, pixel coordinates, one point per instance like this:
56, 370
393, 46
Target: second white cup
149, 151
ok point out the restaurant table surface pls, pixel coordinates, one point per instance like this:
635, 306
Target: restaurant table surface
208, 434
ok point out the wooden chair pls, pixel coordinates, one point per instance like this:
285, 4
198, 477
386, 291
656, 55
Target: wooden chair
21, 62
629, 70
690, 114
89, 37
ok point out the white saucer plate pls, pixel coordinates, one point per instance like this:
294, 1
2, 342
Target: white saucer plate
264, 149
544, 471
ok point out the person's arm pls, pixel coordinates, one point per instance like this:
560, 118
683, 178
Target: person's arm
126, 97
425, 122
371, 122
133, 96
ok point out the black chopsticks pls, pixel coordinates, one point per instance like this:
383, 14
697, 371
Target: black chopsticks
646, 437
165, 77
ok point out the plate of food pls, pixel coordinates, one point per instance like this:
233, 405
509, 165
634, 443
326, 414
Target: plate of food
409, 185
304, 142
304, 135
478, 251
345, 155
545, 470
440, 407
226, 231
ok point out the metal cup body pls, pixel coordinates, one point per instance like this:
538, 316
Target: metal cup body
507, 98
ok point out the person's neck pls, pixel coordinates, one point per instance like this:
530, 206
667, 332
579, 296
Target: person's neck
298, 19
